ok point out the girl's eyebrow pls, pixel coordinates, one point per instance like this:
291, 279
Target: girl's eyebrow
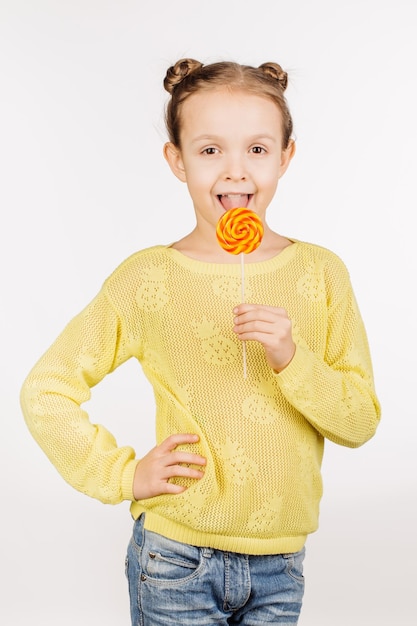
206, 138
264, 137
253, 138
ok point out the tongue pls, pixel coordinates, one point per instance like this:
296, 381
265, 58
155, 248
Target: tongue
234, 202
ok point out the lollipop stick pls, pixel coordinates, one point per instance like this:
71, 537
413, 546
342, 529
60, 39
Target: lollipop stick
242, 267
240, 231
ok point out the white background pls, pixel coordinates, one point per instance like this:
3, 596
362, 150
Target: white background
84, 184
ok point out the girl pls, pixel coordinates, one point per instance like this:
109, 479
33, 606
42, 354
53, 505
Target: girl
225, 501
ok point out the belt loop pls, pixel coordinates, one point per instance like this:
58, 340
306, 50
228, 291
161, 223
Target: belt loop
207, 552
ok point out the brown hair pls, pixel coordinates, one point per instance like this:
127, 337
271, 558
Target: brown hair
189, 76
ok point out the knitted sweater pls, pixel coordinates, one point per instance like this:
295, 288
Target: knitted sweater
262, 435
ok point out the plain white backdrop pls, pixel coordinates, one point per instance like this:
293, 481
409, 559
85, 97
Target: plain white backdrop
84, 184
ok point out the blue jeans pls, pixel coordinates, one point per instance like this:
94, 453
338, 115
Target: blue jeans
174, 583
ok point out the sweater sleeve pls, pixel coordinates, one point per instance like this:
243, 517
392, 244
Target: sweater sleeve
336, 394
85, 454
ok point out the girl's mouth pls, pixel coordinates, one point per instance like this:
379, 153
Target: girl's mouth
234, 200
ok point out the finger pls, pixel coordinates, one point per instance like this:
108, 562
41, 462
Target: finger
246, 307
270, 340
172, 488
185, 457
178, 439
261, 314
255, 328
177, 471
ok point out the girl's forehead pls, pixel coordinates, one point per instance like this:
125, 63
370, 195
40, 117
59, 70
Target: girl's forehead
230, 115
224, 99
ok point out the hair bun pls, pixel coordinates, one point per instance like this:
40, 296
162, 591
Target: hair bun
275, 71
176, 73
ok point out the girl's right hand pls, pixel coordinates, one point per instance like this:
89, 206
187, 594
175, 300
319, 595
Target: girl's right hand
153, 472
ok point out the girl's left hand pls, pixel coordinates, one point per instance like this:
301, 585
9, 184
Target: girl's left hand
270, 326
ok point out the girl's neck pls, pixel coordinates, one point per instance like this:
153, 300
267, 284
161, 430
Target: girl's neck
201, 248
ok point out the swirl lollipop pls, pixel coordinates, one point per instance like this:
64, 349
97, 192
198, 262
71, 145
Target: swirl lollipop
240, 231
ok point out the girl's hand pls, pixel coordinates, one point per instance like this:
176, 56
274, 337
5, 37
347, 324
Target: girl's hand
270, 326
162, 463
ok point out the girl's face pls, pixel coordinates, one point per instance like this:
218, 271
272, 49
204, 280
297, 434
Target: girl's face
231, 152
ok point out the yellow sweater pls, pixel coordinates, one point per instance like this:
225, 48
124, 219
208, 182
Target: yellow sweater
262, 436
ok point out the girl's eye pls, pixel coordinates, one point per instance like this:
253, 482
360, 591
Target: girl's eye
258, 150
210, 150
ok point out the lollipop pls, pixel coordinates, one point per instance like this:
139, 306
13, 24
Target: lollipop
240, 231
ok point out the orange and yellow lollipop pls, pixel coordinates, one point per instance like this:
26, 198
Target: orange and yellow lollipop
240, 231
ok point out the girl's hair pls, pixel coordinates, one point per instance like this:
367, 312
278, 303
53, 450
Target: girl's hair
189, 76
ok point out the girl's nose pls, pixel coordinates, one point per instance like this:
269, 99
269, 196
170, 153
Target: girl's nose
235, 170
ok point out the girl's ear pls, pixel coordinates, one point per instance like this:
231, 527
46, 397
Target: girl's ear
286, 157
173, 155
